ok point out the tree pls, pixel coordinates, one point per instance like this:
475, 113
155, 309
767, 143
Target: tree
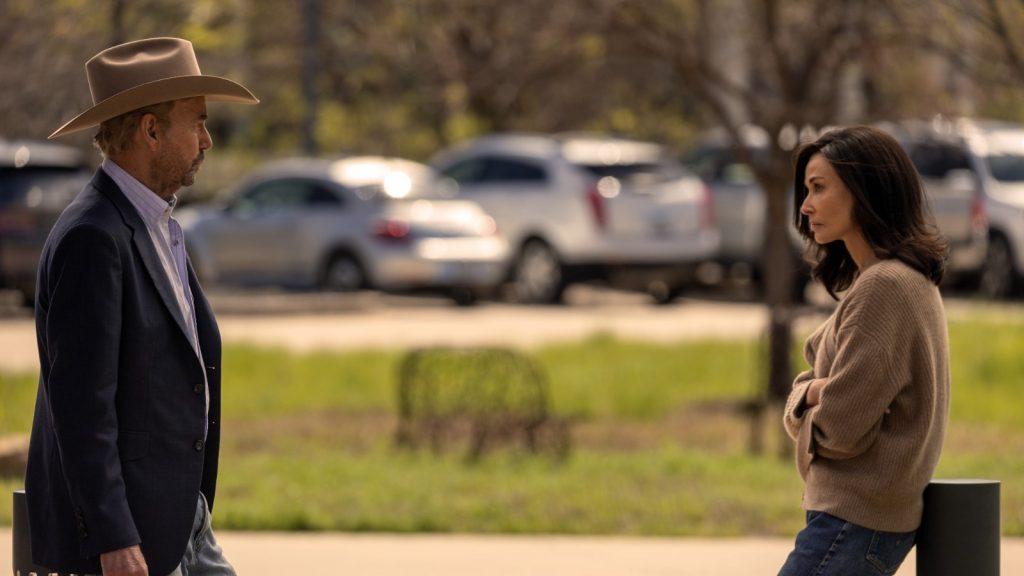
796, 55
980, 42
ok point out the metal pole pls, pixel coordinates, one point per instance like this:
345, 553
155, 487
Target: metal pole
959, 531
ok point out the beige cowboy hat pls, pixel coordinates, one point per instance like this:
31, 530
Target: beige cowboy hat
130, 76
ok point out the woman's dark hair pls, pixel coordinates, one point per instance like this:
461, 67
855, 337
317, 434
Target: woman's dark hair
889, 205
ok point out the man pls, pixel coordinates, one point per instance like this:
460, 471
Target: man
123, 458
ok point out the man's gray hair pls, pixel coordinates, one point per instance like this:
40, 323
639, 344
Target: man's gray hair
115, 135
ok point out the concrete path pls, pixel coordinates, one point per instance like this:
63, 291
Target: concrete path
267, 554
488, 324
366, 320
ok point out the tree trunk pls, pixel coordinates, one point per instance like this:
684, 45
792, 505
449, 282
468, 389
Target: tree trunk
778, 273
116, 22
310, 66
778, 267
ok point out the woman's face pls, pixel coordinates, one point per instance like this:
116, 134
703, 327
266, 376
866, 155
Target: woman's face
829, 204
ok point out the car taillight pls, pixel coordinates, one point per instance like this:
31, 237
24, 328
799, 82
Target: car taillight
707, 215
597, 207
392, 230
979, 219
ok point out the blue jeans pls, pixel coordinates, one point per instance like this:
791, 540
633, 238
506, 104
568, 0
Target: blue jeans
831, 546
203, 556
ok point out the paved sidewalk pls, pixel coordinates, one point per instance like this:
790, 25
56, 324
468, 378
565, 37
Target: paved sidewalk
267, 554
392, 323
490, 324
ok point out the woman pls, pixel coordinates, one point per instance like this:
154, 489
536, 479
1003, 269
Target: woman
870, 415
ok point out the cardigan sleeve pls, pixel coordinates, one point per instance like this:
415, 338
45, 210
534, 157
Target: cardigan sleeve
793, 414
866, 374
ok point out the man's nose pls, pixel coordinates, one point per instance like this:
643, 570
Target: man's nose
205, 140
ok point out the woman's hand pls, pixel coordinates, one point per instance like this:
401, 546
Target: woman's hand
813, 397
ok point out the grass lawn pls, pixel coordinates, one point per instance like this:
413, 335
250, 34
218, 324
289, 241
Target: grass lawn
307, 443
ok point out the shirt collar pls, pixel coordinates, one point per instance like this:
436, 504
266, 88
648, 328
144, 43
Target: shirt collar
152, 208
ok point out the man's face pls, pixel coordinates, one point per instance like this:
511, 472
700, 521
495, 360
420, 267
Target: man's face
183, 145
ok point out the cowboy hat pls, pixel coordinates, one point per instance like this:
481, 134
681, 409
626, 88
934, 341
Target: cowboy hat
130, 76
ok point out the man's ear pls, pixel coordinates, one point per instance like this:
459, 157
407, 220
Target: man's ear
149, 130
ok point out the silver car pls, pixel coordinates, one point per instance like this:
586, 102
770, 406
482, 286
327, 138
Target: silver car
359, 222
994, 152
954, 200
582, 207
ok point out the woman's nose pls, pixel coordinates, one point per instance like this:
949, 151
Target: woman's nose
805, 207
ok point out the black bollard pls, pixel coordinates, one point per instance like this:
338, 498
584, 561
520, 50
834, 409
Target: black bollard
959, 533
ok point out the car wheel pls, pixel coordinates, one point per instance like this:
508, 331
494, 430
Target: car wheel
997, 275
663, 294
538, 276
343, 273
463, 297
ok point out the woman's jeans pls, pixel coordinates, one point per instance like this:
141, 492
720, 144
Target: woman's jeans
831, 546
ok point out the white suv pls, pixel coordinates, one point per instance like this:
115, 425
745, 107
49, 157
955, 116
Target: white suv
576, 208
996, 152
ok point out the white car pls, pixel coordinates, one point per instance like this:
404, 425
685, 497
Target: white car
996, 154
359, 222
580, 207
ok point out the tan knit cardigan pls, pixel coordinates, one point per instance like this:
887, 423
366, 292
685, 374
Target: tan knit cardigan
869, 448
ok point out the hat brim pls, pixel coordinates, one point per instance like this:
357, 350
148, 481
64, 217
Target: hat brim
163, 90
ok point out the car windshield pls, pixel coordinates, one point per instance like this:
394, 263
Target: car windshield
399, 190
1006, 167
387, 180
717, 163
638, 174
40, 186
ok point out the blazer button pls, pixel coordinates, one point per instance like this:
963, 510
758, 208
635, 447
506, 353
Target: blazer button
198, 446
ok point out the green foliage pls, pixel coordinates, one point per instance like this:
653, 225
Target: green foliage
17, 400
987, 370
598, 378
261, 383
308, 443
608, 378
668, 490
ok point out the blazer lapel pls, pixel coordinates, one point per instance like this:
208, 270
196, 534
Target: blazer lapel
144, 244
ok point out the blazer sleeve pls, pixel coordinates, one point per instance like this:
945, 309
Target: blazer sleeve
83, 332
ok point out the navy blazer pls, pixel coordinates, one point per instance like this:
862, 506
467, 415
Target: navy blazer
117, 455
